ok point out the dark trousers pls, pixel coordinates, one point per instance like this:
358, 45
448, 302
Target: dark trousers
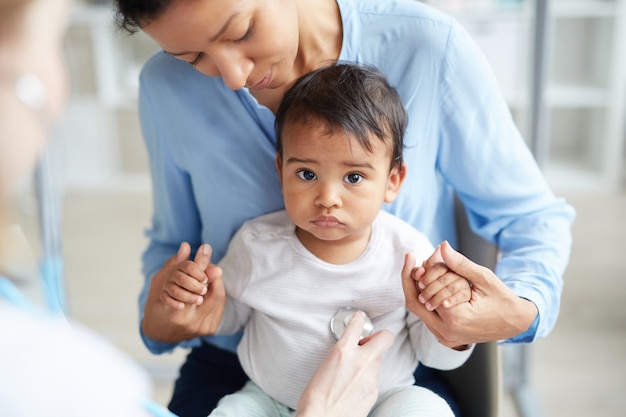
209, 373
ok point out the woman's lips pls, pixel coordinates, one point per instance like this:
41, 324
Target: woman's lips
264, 82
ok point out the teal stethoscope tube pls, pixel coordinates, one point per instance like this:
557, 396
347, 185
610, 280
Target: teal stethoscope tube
49, 208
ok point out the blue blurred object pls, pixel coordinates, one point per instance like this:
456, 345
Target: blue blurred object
49, 206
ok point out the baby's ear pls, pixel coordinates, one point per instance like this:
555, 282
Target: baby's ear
394, 183
279, 167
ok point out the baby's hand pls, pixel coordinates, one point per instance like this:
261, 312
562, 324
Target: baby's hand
189, 280
438, 285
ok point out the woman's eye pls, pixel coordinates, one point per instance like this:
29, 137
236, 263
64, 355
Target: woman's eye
306, 175
247, 34
197, 59
353, 178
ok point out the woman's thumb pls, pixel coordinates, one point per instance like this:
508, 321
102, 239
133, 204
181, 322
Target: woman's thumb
458, 263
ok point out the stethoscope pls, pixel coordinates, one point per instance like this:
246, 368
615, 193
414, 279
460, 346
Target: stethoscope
339, 321
33, 94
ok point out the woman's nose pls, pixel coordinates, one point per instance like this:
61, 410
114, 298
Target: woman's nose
233, 68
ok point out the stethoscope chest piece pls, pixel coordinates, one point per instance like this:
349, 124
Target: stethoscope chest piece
339, 321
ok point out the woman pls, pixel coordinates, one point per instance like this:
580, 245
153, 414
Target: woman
207, 105
54, 368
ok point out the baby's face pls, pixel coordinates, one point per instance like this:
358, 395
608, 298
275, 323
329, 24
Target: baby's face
333, 187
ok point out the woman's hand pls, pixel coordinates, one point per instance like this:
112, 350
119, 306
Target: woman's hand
346, 383
493, 312
186, 298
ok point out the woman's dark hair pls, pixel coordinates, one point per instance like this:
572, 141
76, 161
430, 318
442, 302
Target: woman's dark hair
130, 15
353, 97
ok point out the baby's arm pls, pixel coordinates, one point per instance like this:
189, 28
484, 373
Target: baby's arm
431, 351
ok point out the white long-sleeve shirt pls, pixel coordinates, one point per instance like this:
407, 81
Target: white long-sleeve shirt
286, 297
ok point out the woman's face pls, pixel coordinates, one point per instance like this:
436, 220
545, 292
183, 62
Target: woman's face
249, 43
35, 47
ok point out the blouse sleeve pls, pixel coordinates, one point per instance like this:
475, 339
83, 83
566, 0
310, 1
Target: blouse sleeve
506, 196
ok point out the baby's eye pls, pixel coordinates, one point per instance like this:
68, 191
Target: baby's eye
353, 178
307, 175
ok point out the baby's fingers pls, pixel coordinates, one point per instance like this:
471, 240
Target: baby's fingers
461, 296
171, 302
182, 288
448, 290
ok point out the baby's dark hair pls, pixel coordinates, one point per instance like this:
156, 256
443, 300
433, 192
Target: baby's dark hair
356, 98
131, 14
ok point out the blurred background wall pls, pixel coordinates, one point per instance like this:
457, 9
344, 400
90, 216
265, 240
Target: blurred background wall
584, 102
579, 370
